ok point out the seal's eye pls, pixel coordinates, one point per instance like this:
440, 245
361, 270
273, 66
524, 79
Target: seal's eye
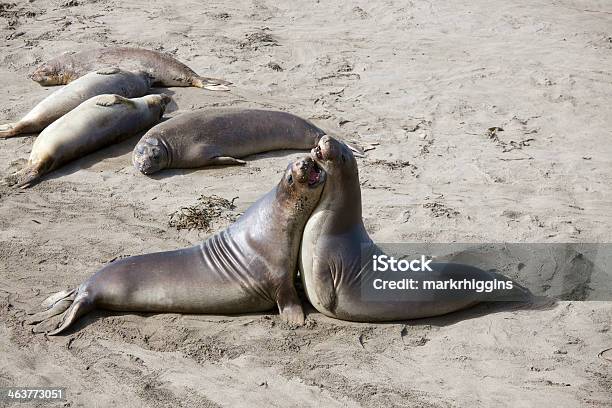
290, 179
343, 159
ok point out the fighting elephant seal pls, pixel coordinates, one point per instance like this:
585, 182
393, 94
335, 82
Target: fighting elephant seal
336, 249
164, 69
97, 122
220, 136
249, 267
104, 81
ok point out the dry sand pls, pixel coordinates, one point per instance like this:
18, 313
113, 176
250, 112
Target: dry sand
425, 80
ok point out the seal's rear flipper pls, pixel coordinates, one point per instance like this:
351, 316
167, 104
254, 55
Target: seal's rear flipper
53, 299
226, 160
212, 84
58, 308
211, 87
79, 307
24, 177
54, 305
357, 151
11, 129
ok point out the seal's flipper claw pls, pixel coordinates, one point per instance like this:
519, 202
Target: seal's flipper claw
226, 160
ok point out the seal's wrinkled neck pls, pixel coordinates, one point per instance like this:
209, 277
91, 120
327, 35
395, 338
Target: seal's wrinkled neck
342, 194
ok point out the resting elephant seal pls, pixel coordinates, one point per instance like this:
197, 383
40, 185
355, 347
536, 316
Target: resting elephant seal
97, 122
249, 267
104, 81
335, 239
219, 136
164, 69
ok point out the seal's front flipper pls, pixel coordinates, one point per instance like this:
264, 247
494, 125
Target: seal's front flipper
111, 99
108, 71
226, 160
289, 305
212, 84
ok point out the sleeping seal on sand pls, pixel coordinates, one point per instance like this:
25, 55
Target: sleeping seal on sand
97, 122
209, 137
164, 69
104, 81
249, 267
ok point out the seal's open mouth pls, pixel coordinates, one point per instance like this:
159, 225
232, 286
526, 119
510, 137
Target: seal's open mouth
314, 176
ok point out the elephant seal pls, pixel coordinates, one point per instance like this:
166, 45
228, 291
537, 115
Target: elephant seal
336, 251
249, 267
104, 81
219, 136
97, 122
164, 69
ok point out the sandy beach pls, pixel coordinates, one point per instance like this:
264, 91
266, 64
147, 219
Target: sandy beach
483, 121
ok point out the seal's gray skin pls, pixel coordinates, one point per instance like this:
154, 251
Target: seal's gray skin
249, 267
104, 81
97, 122
331, 250
164, 69
219, 136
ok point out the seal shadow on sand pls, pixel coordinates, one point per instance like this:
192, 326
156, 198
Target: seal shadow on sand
540, 303
101, 314
474, 312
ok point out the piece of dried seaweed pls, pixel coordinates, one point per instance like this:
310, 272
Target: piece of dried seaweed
204, 213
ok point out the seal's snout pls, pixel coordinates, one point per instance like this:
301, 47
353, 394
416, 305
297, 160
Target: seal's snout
149, 156
323, 149
163, 100
307, 172
45, 75
36, 76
